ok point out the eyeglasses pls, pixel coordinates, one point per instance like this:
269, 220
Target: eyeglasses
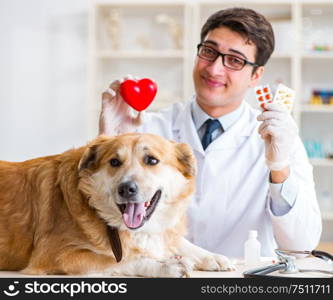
231, 62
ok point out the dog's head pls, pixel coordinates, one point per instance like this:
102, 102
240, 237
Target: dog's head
138, 181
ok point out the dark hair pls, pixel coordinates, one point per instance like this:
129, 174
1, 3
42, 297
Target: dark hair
249, 24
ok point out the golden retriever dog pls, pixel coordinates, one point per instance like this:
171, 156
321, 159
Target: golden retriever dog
116, 206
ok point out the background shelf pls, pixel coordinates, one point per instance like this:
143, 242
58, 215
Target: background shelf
140, 54
322, 162
307, 108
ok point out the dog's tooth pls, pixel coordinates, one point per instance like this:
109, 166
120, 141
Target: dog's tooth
147, 204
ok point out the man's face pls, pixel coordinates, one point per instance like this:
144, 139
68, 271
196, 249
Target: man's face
218, 88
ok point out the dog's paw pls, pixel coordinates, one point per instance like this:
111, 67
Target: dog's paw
33, 271
215, 262
175, 268
224, 263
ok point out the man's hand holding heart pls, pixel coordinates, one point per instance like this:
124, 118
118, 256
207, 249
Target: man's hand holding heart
123, 103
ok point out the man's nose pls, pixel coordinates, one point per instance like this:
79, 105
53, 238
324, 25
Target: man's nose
216, 67
128, 189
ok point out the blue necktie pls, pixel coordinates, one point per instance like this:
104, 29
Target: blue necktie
211, 126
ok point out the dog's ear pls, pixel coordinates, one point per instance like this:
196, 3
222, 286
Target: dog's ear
186, 160
89, 158
91, 155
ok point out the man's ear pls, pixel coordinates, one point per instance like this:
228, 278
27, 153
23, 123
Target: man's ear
256, 76
186, 161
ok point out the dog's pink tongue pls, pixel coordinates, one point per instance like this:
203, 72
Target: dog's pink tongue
133, 214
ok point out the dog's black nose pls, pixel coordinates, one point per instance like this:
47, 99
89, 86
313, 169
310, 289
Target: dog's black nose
128, 189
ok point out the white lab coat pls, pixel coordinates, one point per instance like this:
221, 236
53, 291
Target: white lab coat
232, 191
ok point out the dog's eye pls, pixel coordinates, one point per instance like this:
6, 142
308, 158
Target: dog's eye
150, 160
114, 162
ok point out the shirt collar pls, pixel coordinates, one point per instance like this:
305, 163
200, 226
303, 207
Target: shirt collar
200, 117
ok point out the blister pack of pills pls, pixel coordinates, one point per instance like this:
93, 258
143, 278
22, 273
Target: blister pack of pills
283, 95
263, 95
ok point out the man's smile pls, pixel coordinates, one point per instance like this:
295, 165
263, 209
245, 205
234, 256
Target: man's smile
212, 82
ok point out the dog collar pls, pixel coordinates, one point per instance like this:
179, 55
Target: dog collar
115, 242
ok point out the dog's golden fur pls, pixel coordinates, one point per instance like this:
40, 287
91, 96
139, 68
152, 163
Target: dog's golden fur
54, 210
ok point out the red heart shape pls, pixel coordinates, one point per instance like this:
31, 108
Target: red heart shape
138, 94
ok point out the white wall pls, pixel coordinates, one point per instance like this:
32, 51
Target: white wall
43, 59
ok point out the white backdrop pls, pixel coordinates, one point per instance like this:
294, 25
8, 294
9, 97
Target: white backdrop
43, 73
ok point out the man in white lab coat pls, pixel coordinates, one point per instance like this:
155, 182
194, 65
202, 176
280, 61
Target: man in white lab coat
253, 171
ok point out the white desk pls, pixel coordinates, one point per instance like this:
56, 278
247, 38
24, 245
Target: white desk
304, 263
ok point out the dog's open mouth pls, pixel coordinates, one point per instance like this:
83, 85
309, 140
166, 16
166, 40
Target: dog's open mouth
136, 214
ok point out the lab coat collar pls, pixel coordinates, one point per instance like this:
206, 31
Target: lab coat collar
185, 127
200, 117
229, 139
